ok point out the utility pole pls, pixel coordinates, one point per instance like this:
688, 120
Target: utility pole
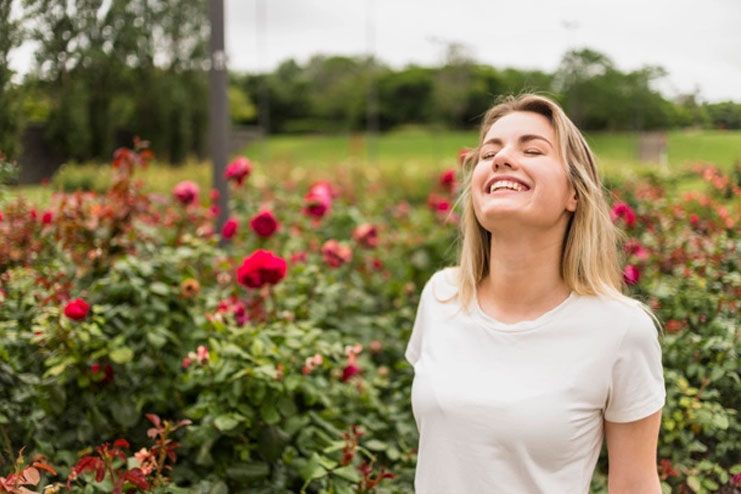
218, 110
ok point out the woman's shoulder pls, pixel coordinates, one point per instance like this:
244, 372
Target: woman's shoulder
631, 312
443, 284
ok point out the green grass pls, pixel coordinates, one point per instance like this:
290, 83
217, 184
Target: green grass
406, 157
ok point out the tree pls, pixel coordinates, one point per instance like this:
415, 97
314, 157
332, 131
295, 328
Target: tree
144, 56
11, 38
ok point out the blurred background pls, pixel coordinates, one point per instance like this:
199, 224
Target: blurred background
319, 82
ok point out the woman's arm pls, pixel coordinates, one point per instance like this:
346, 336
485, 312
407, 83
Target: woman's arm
631, 453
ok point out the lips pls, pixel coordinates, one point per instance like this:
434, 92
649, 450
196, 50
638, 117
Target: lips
505, 177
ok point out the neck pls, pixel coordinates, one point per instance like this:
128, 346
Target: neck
524, 272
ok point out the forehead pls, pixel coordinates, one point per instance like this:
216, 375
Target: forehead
518, 123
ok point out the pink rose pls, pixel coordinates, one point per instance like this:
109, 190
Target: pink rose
624, 211
238, 170
336, 254
186, 192
631, 274
366, 235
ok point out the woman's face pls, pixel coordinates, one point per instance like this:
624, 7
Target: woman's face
522, 146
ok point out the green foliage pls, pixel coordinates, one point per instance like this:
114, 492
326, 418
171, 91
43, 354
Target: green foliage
725, 115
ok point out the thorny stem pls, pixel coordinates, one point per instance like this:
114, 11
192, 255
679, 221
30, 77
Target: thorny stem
163, 451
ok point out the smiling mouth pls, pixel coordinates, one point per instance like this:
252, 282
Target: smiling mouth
507, 185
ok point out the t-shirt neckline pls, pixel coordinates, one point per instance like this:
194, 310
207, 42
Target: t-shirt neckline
519, 326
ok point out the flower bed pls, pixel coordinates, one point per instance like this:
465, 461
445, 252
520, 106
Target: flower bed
138, 353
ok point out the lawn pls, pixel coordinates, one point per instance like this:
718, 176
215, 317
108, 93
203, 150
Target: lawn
402, 157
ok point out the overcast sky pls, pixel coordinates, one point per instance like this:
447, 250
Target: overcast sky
697, 42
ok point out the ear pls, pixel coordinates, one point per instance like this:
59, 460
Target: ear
572, 201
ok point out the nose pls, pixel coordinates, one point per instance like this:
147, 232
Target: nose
503, 158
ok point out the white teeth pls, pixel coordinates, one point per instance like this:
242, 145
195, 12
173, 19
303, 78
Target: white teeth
506, 184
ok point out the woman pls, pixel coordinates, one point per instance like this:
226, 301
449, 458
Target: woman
527, 352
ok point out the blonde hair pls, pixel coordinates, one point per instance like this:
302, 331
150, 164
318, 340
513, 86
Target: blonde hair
591, 261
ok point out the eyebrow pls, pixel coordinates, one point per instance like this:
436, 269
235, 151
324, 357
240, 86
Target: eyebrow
523, 139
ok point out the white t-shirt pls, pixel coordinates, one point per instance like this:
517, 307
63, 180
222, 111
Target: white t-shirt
519, 408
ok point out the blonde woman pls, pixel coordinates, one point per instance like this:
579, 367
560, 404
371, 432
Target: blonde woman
526, 354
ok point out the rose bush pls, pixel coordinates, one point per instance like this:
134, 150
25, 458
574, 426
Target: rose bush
122, 304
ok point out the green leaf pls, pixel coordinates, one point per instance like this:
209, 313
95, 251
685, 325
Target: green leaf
271, 442
226, 422
257, 348
312, 469
376, 445
124, 412
269, 413
721, 421
694, 483
348, 472
710, 484
159, 288
219, 488
56, 370
157, 340
122, 355
245, 473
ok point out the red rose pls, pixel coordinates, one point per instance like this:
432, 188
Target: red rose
260, 268
336, 254
674, 325
366, 235
76, 309
107, 373
448, 180
238, 170
186, 192
264, 223
438, 203
631, 274
47, 217
349, 371
624, 211
230, 228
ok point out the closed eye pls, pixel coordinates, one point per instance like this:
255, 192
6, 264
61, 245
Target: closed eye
533, 152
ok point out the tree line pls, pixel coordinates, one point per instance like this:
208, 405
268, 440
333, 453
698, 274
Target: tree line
106, 71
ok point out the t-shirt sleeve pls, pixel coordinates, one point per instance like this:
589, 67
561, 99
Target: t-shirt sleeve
637, 381
414, 345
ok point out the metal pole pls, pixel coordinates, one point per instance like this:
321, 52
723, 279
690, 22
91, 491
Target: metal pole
218, 110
